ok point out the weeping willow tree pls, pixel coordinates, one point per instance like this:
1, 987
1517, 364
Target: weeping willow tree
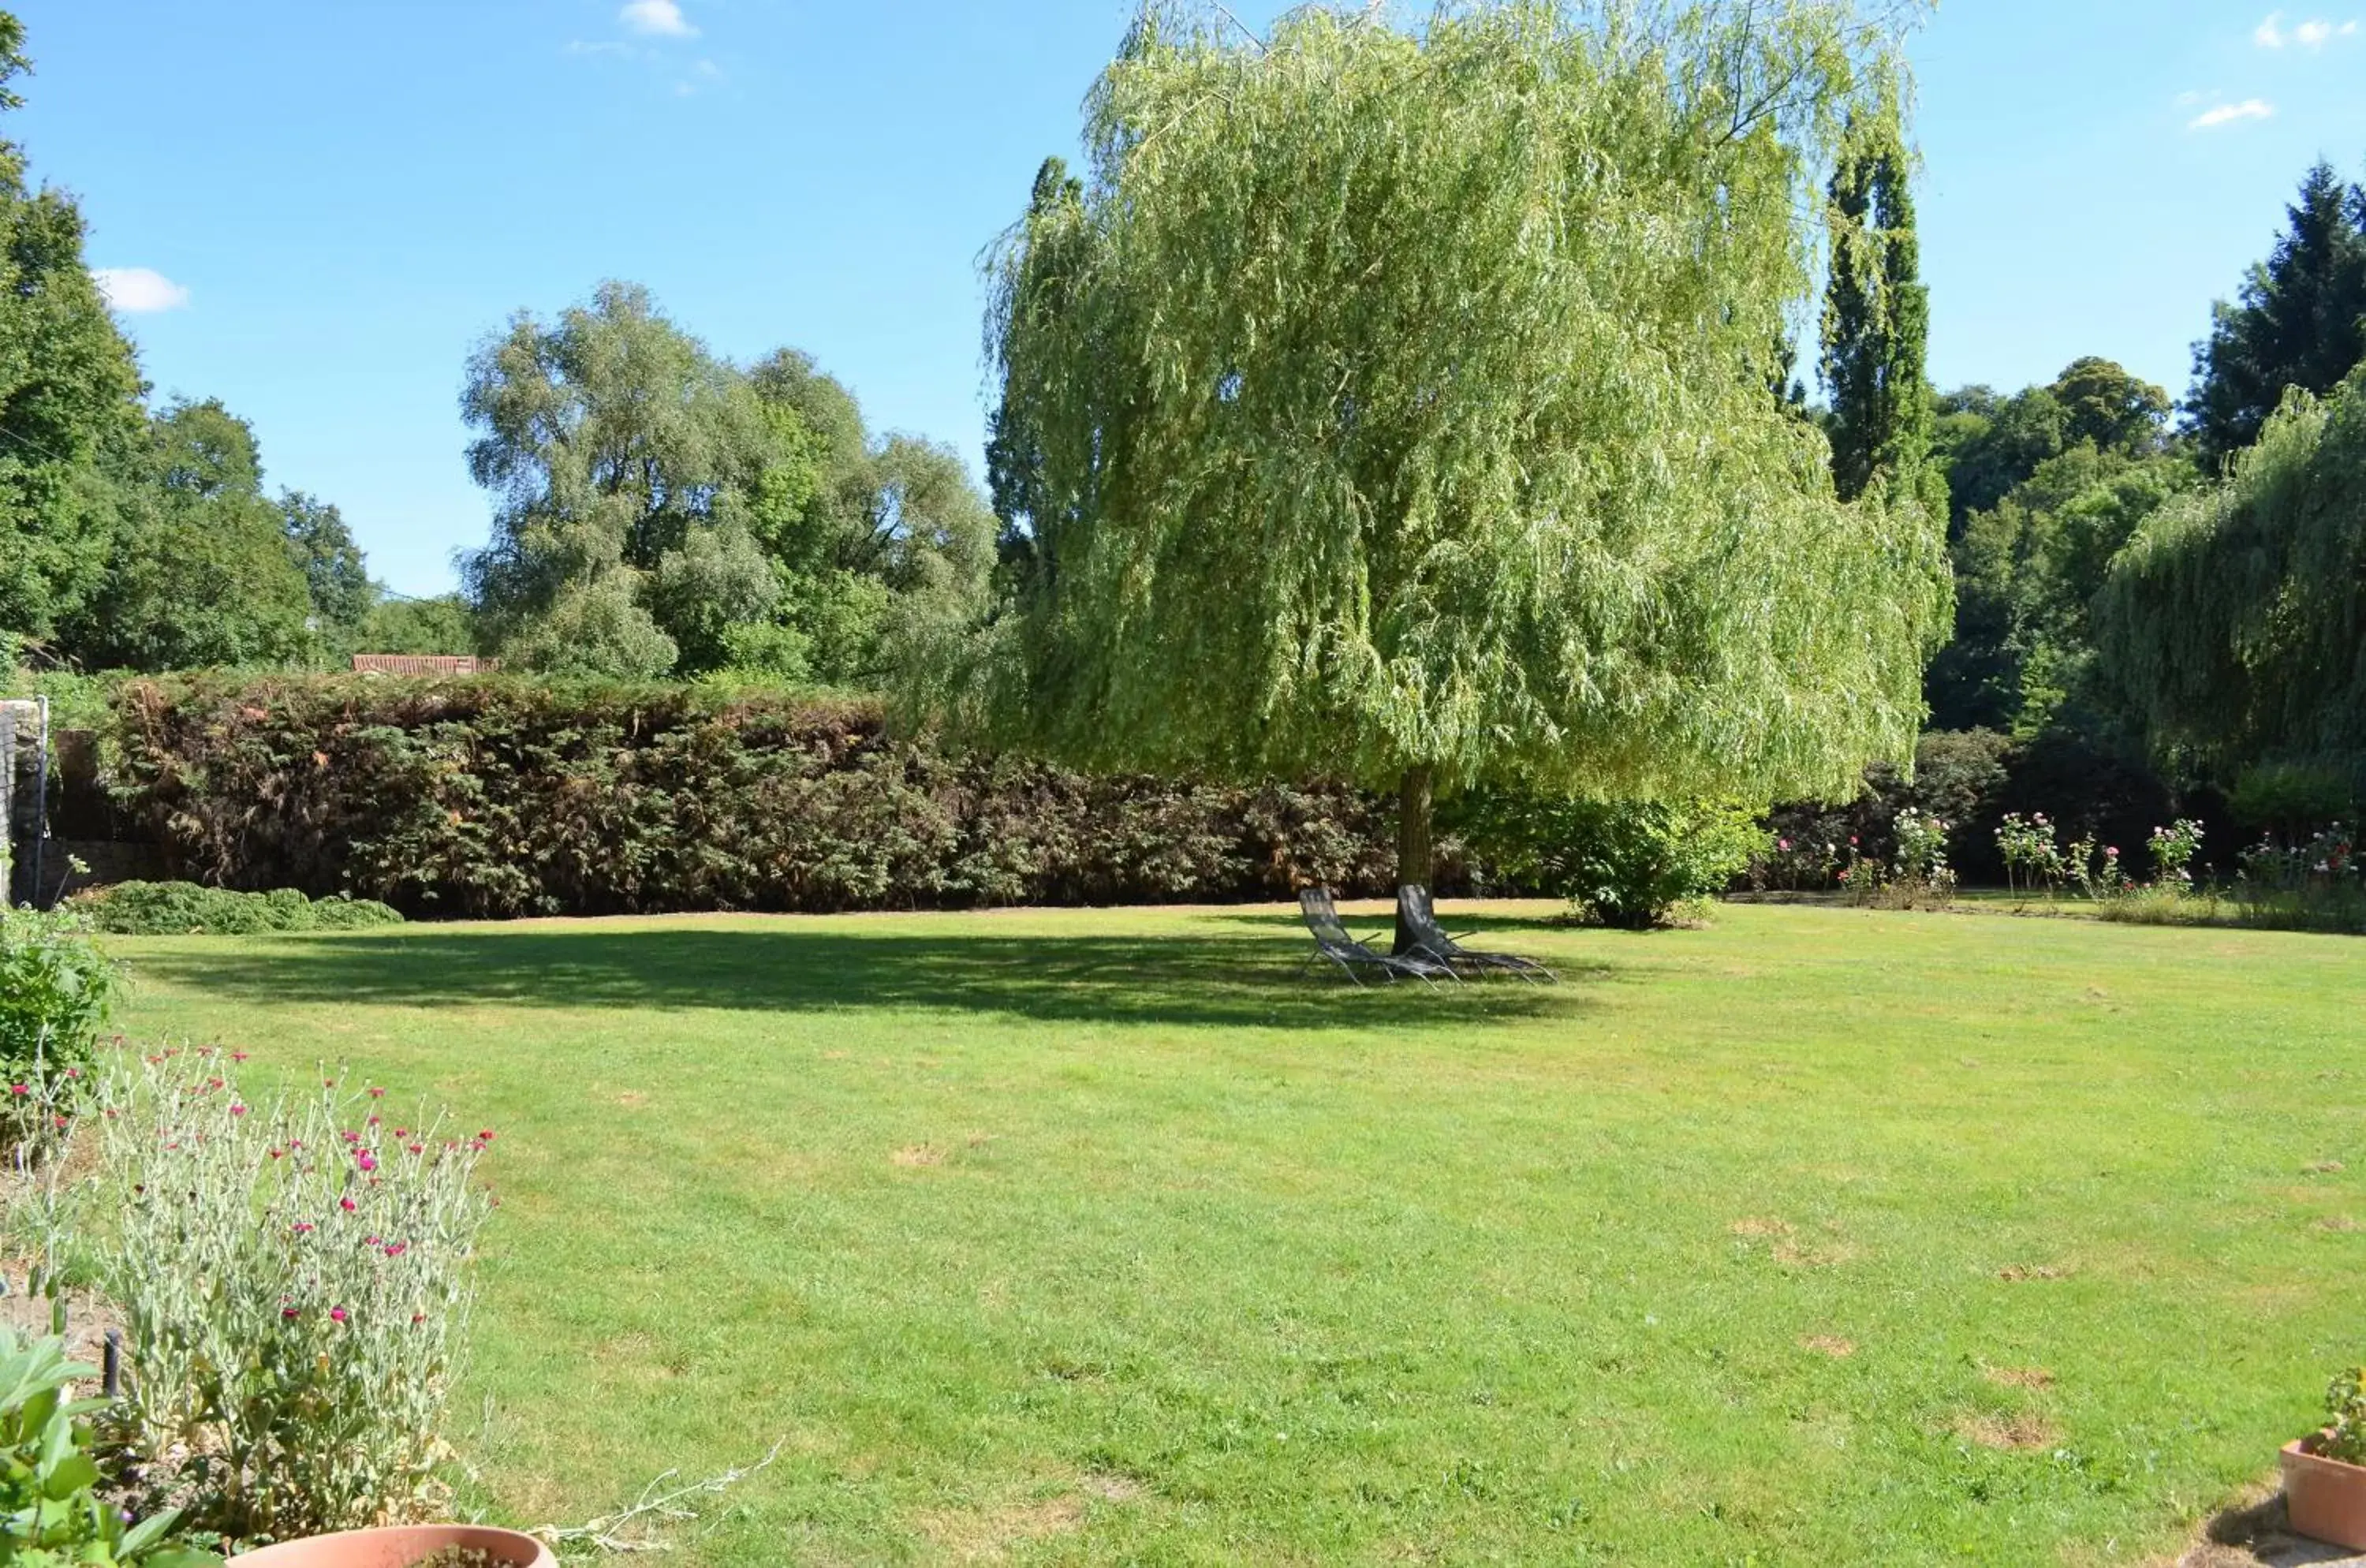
1392, 404
2235, 618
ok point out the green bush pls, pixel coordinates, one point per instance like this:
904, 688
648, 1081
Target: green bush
502, 796
1631, 864
2290, 798
50, 1510
184, 909
2345, 1409
55, 989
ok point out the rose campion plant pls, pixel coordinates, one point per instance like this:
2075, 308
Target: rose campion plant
296, 1278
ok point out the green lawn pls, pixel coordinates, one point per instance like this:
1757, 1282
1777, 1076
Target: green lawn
1817, 1237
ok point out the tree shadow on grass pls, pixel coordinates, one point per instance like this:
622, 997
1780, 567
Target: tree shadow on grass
792, 967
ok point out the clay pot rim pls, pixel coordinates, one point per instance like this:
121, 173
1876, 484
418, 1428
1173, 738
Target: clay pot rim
2305, 1448
333, 1544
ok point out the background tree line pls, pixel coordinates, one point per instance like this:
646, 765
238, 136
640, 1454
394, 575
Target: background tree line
2170, 586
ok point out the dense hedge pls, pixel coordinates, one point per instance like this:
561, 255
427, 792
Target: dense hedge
184, 909
500, 797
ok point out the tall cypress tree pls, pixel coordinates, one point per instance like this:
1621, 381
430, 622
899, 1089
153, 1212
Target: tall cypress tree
2301, 320
1877, 317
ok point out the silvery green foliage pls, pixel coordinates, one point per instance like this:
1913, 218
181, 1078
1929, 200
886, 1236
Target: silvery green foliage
1397, 399
295, 1277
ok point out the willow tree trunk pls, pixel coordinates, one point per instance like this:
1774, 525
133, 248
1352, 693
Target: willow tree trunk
1414, 853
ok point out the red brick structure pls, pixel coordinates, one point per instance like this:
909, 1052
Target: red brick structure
424, 664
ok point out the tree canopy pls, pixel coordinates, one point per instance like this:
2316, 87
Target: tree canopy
2043, 485
2235, 618
660, 511
1395, 405
69, 397
200, 570
2300, 320
1878, 319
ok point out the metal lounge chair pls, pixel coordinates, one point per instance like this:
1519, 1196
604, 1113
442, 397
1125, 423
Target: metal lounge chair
1332, 941
1430, 941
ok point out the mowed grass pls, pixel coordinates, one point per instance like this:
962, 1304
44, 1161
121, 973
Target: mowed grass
1815, 1236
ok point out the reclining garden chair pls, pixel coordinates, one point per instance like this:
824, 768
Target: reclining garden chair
1333, 942
1431, 940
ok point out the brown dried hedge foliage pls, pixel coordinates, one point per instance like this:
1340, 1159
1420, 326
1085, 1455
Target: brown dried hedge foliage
502, 797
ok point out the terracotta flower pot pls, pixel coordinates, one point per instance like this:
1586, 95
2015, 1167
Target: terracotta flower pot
401, 1547
2326, 1498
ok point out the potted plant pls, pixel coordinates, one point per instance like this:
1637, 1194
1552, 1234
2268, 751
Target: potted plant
406, 1546
2325, 1474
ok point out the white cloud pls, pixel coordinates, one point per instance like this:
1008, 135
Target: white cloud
139, 290
2228, 114
661, 18
2312, 34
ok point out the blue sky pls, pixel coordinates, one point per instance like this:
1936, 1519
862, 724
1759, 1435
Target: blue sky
337, 198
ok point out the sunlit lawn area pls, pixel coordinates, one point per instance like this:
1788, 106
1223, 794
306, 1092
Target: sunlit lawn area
1815, 1236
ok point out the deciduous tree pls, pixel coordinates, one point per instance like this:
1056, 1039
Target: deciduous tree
69, 397
1398, 406
2235, 618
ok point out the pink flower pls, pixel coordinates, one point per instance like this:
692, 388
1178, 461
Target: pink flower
73, 1072
303, 1227
213, 1083
19, 1090
376, 1093
369, 1241
347, 1204
290, 1313
485, 1136
238, 1109
336, 1315
416, 1148
276, 1153
366, 1161
373, 1122
397, 1248
418, 1317
239, 1055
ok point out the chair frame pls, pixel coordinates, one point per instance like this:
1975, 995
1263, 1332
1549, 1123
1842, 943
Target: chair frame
1335, 941
1415, 909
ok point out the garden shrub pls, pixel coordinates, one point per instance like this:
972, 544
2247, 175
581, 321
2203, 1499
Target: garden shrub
2288, 798
1631, 864
296, 1283
2345, 1410
51, 1510
178, 909
56, 987
2311, 883
1971, 780
504, 797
